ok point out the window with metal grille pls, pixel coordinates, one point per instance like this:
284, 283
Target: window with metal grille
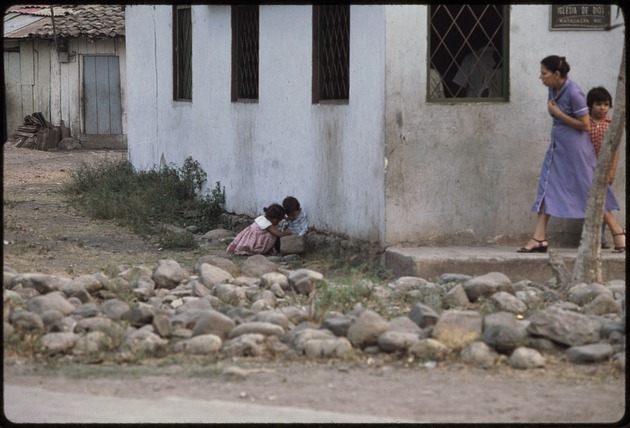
331, 52
468, 52
182, 53
245, 52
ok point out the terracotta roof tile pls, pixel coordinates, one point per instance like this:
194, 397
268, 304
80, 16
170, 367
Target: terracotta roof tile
92, 21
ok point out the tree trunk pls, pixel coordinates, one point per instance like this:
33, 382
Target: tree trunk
588, 263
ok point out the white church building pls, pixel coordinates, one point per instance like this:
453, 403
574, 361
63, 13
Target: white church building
401, 125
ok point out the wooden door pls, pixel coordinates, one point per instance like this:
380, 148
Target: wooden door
101, 80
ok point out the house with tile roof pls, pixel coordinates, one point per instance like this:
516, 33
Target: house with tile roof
67, 62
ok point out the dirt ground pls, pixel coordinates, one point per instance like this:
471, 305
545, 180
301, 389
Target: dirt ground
42, 234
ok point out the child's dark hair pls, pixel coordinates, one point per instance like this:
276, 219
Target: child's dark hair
274, 212
555, 63
290, 204
598, 95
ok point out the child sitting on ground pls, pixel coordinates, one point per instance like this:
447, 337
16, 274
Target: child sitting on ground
260, 236
297, 222
294, 224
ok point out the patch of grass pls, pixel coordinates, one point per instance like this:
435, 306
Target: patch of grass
142, 200
21, 344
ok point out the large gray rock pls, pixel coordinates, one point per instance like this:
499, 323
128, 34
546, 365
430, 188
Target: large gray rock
218, 235
507, 302
210, 275
404, 324
54, 300
58, 342
292, 244
456, 297
220, 262
103, 324
213, 322
589, 353
429, 349
271, 278
565, 327
456, 328
93, 342
41, 282
265, 328
478, 354
245, 345
367, 328
397, 341
603, 304
526, 358
503, 332
27, 321
114, 308
144, 341
423, 315
273, 317
91, 282
487, 285
581, 294
258, 265
337, 347
168, 274
205, 344
132, 274
304, 281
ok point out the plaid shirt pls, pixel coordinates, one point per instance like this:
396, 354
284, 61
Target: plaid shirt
598, 129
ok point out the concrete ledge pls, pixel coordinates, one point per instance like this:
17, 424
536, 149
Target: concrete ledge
431, 262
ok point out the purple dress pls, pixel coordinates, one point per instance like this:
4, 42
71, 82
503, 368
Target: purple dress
569, 166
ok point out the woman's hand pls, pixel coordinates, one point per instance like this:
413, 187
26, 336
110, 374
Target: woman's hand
581, 123
553, 108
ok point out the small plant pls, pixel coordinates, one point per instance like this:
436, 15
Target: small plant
342, 298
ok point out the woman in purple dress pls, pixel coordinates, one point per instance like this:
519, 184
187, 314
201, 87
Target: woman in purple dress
568, 168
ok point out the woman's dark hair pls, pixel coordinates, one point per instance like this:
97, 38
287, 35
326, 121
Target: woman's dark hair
290, 204
274, 212
555, 63
598, 95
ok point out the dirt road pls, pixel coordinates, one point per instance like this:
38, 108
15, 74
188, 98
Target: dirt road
41, 234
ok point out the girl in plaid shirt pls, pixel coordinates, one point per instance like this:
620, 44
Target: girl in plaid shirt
599, 102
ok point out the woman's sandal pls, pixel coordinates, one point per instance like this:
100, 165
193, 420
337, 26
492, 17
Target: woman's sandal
620, 249
539, 248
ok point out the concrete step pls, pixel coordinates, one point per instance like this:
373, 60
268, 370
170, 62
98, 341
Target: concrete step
431, 262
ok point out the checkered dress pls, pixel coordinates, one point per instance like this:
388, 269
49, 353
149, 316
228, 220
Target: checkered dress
598, 129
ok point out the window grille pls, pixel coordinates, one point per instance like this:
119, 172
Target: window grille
468, 52
245, 52
182, 52
331, 51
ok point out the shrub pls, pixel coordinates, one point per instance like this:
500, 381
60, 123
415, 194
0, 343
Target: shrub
142, 200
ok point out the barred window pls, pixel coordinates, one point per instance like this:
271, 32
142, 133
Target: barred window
468, 52
331, 52
182, 53
245, 52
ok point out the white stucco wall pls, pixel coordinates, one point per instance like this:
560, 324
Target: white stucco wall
456, 173
328, 156
467, 173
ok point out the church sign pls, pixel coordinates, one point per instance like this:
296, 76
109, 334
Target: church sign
580, 16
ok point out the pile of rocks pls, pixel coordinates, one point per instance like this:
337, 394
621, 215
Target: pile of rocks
225, 310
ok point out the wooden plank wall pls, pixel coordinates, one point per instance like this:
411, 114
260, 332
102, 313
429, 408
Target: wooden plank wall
35, 81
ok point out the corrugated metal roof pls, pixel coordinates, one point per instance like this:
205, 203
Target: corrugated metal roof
92, 21
14, 21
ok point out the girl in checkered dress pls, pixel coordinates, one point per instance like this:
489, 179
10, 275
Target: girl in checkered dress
599, 102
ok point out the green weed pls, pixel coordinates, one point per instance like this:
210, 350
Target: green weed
142, 200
